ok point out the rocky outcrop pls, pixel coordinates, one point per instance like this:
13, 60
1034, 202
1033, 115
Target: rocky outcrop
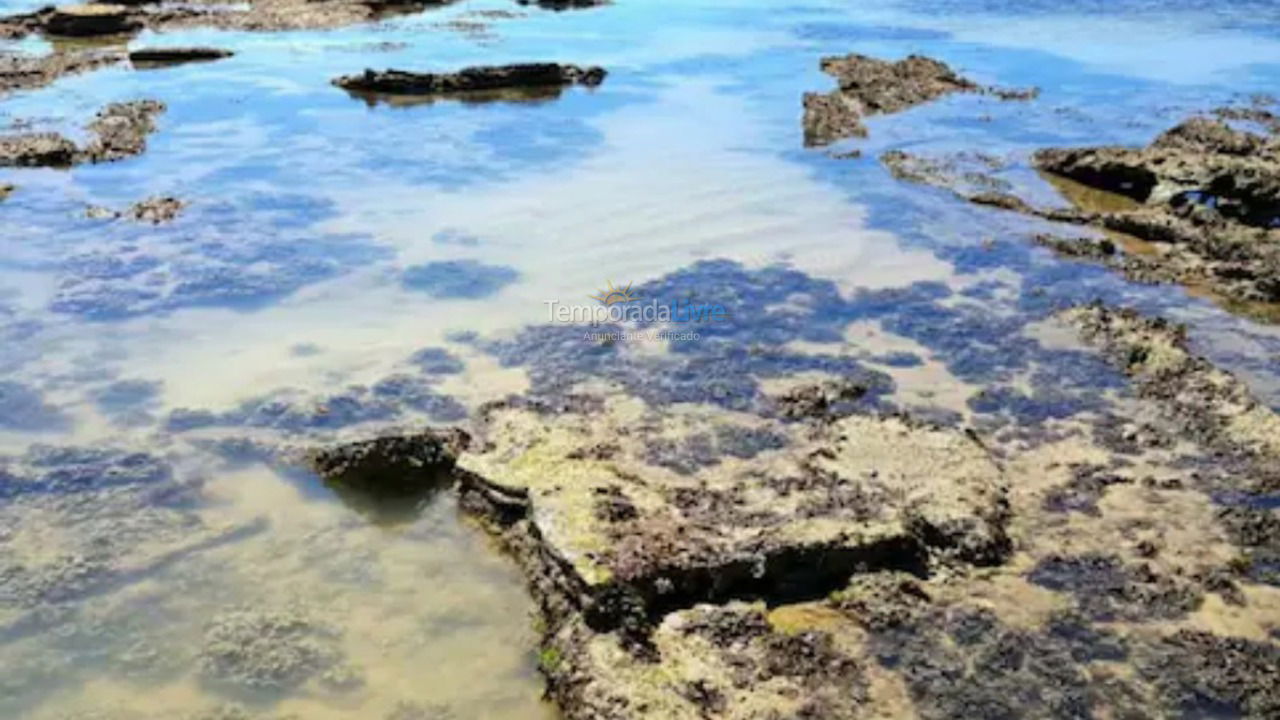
118, 131
160, 56
472, 79
257, 16
1204, 196
632, 535
1207, 403
92, 19
27, 72
393, 465
870, 86
1201, 162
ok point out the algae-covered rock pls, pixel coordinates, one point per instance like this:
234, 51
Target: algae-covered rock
1207, 403
728, 662
391, 465
790, 520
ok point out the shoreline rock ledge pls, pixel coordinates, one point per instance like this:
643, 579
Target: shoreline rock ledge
472, 79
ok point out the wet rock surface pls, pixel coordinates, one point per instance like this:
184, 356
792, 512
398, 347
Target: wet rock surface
1199, 206
471, 79
1205, 402
822, 564
564, 4
91, 19
96, 19
28, 72
870, 86
748, 525
163, 56
118, 131
390, 477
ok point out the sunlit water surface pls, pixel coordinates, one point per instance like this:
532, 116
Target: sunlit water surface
291, 275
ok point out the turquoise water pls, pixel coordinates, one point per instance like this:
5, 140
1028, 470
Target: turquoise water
328, 240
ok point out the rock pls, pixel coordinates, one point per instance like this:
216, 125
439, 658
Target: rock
725, 661
155, 210
858, 492
37, 150
1199, 673
151, 57
1083, 247
1239, 171
119, 131
20, 25
559, 5
6, 190
1207, 403
1206, 194
26, 72
92, 19
472, 79
869, 86
392, 465
168, 15
390, 478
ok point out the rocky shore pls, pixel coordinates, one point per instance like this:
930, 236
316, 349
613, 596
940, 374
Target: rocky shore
711, 563
1202, 198
746, 528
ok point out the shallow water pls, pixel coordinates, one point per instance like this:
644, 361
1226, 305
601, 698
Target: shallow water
290, 276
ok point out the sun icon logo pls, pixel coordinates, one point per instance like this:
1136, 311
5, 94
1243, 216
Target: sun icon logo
613, 295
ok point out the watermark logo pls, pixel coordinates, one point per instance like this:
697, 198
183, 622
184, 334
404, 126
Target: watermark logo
613, 296
619, 305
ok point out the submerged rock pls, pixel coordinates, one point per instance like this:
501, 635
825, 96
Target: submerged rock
472, 79
870, 86
268, 649
155, 210
463, 279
